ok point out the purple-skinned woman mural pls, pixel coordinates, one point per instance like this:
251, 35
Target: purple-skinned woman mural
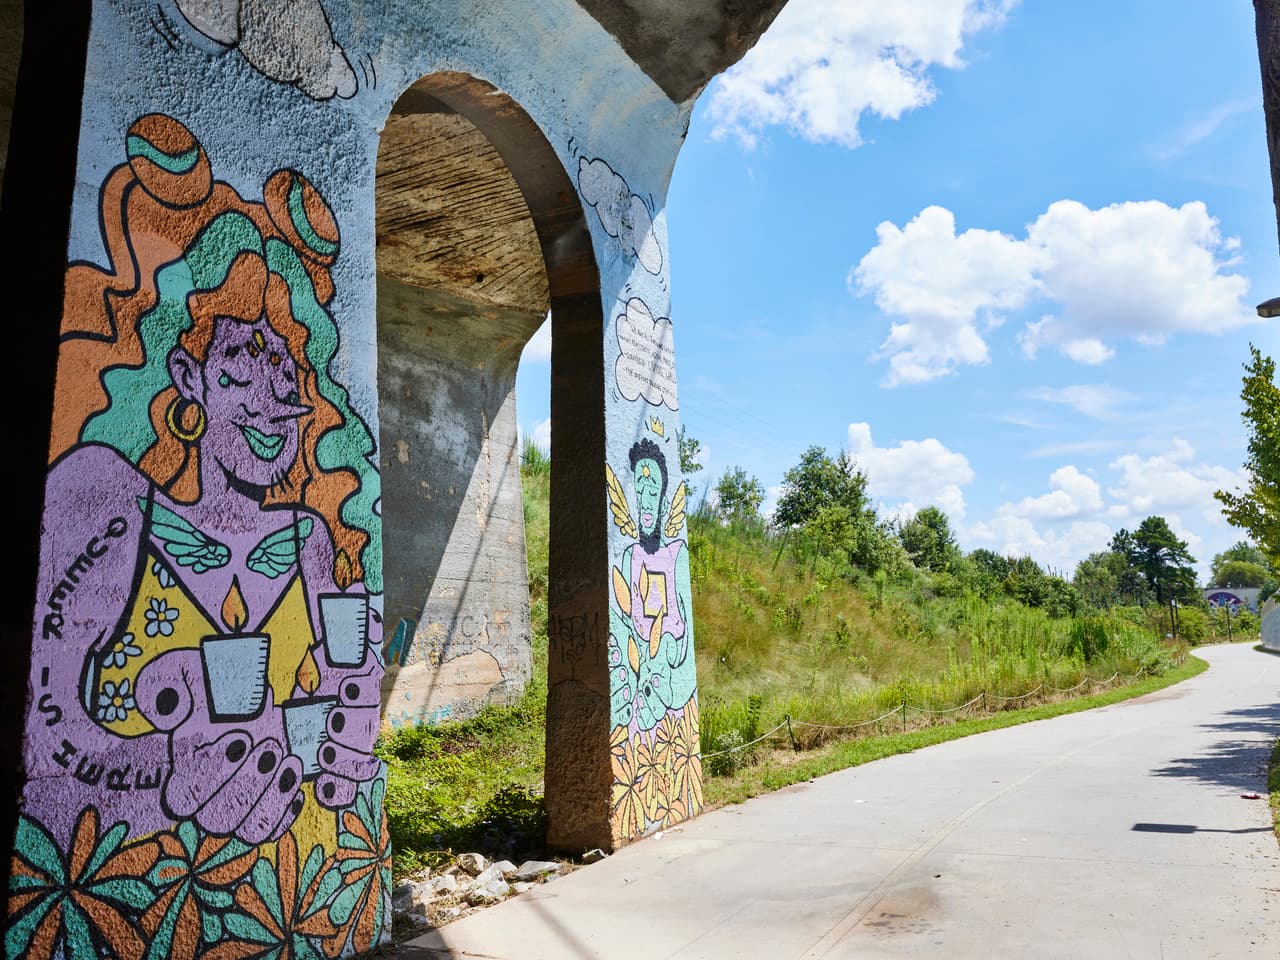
206, 652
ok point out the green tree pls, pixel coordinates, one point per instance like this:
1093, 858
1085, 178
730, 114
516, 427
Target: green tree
690, 450
738, 495
1163, 560
819, 481
1107, 579
1240, 550
928, 540
1238, 573
1257, 510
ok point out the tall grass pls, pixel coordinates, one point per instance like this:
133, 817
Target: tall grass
783, 632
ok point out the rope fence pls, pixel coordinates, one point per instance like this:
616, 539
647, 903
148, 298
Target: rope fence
905, 707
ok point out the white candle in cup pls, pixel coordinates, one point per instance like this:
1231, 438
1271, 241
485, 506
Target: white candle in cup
235, 663
345, 620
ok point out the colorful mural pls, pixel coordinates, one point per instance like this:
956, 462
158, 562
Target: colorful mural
654, 747
205, 666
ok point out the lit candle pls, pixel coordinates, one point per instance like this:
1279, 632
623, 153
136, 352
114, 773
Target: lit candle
235, 663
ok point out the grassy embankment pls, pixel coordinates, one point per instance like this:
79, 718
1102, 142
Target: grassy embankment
775, 636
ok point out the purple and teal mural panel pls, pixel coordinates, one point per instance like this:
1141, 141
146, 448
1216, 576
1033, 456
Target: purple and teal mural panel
206, 661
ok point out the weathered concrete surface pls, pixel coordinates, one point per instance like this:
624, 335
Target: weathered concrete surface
1117, 832
681, 44
454, 562
1271, 626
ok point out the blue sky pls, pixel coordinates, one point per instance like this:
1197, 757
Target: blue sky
1006, 253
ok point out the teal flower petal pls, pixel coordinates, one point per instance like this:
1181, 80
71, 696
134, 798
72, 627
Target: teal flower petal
210, 927
18, 937
39, 849
345, 903
108, 845
128, 891
264, 881
302, 948
189, 837
329, 885
76, 927
310, 868
244, 927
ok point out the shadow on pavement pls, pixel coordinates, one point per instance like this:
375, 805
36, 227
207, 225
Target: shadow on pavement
1190, 828
1233, 763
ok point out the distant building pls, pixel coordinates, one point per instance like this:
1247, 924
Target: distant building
1246, 597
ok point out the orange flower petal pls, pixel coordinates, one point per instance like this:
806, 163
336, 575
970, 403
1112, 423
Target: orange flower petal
85, 839
251, 903
119, 933
133, 861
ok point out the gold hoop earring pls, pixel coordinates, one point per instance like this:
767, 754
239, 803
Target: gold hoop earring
172, 420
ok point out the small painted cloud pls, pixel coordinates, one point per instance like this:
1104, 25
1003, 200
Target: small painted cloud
289, 41
646, 357
822, 66
1138, 271
622, 213
913, 474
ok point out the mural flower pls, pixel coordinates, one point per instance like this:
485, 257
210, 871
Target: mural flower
676, 751
82, 902
160, 617
364, 860
193, 878
686, 759
115, 700
282, 911
119, 653
651, 779
628, 796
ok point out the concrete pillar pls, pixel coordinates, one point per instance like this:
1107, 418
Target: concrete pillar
457, 593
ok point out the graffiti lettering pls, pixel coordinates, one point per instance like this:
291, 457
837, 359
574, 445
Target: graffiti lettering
117, 778
151, 782
88, 772
52, 625
69, 750
47, 706
570, 637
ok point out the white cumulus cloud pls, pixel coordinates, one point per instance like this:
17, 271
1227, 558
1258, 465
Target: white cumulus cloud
1140, 271
920, 472
938, 283
821, 66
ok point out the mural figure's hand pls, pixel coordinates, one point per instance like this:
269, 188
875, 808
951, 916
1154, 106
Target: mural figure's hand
233, 778
346, 756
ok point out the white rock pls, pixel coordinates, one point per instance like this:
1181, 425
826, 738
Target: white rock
594, 856
473, 863
521, 886
498, 871
533, 869
489, 892
444, 885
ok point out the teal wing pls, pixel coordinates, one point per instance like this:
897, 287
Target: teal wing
187, 545
278, 552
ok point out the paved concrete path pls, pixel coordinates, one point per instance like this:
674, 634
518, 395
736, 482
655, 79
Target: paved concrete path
1117, 832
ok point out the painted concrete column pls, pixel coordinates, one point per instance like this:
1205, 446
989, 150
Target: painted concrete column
206, 652
623, 753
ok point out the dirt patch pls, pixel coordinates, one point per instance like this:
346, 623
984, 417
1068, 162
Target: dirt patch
904, 911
